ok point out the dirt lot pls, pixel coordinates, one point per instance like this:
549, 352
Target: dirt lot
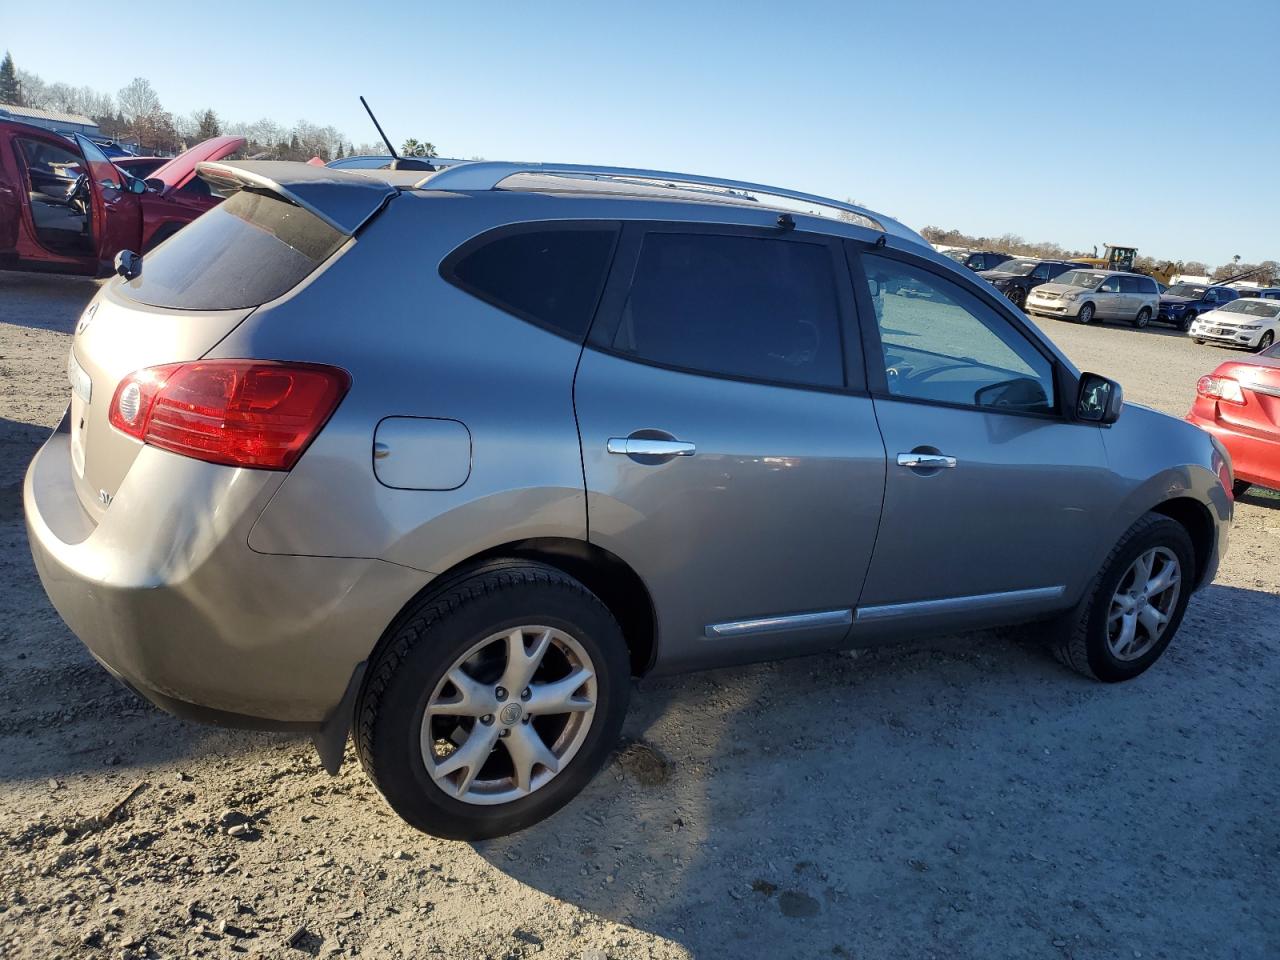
965, 797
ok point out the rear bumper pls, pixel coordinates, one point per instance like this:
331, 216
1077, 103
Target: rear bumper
1253, 458
166, 593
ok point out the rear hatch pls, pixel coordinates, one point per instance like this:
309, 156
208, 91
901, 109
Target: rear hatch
274, 230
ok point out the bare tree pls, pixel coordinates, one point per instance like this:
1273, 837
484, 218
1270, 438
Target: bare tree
137, 99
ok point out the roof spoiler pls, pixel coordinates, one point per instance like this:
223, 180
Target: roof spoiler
343, 200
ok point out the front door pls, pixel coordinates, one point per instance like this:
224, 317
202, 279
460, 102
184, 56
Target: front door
992, 497
730, 451
1110, 301
116, 216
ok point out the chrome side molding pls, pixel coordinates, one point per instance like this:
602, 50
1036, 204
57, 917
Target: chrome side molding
978, 601
795, 621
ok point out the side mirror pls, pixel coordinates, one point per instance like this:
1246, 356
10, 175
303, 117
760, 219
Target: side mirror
136, 185
1099, 400
128, 264
154, 184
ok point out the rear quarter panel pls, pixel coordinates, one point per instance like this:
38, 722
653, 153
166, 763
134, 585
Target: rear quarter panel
416, 346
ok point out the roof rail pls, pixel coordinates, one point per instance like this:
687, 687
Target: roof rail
489, 174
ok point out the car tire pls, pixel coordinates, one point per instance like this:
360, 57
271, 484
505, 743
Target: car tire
1265, 341
1085, 316
1240, 488
406, 707
1198, 340
1017, 296
1091, 637
1143, 318
1187, 320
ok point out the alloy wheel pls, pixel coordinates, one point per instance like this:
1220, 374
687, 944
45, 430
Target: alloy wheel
1144, 317
1266, 340
1086, 313
1143, 603
509, 715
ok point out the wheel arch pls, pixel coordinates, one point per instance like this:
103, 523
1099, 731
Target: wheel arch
605, 574
1195, 518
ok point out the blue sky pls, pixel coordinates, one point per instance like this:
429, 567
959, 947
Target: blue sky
1053, 122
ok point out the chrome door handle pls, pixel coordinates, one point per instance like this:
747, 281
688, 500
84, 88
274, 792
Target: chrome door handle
929, 461
642, 447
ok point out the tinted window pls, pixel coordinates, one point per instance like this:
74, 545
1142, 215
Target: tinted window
251, 248
1132, 285
943, 343
551, 277
1041, 272
736, 306
196, 187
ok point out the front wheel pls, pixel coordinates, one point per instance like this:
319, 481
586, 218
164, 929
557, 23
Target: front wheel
1265, 342
1143, 318
1086, 314
1198, 340
1134, 605
1187, 320
494, 701
1017, 296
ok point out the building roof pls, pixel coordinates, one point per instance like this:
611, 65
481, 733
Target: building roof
18, 112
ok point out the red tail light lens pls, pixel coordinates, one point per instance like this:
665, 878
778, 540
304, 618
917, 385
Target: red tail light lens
1220, 388
242, 413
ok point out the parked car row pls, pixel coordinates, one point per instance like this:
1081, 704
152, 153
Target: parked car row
1086, 294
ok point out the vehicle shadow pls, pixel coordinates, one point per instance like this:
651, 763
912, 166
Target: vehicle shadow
1261, 497
964, 796
44, 301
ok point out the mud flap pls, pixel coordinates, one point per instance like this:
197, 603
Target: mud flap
331, 739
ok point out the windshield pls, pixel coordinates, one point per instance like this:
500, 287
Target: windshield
1082, 278
959, 256
1193, 290
1252, 308
1019, 268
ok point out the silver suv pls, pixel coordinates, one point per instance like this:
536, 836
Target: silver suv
445, 461
1087, 295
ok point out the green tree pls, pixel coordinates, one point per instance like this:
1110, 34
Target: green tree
10, 88
415, 148
208, 126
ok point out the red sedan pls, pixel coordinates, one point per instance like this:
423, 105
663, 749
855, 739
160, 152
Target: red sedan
1239, 403
65, 207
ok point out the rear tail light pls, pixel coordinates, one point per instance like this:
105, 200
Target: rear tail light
1220, 388
242, 413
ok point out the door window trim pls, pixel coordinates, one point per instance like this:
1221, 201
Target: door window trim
627, 257
873, 349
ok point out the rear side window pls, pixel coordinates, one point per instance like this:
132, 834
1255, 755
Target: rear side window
251, 248
733, 306
1132, 285
550, 276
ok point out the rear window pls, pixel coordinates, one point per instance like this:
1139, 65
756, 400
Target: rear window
251, 248
550, 275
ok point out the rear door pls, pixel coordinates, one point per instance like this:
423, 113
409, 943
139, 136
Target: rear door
730, 450
117, 219
992, 496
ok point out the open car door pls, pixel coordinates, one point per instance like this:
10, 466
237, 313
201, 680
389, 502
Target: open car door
115, 215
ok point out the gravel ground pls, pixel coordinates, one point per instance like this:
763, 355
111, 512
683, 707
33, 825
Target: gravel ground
962, 797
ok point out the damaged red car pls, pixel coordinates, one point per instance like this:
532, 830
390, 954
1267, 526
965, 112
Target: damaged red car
66, 208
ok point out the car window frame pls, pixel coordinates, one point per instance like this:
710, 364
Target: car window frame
448, 273
626, 259
1064, 383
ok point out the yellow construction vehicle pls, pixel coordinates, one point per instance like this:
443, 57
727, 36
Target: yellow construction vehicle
1123, 258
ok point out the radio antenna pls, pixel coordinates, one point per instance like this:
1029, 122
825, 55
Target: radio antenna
397, 162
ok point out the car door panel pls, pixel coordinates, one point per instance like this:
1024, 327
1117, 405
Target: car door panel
754, 539
117, 216
988, 509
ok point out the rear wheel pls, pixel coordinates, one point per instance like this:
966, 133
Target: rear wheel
1265, 341
1134, 605
1086, 314
494, 702
1143, 318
